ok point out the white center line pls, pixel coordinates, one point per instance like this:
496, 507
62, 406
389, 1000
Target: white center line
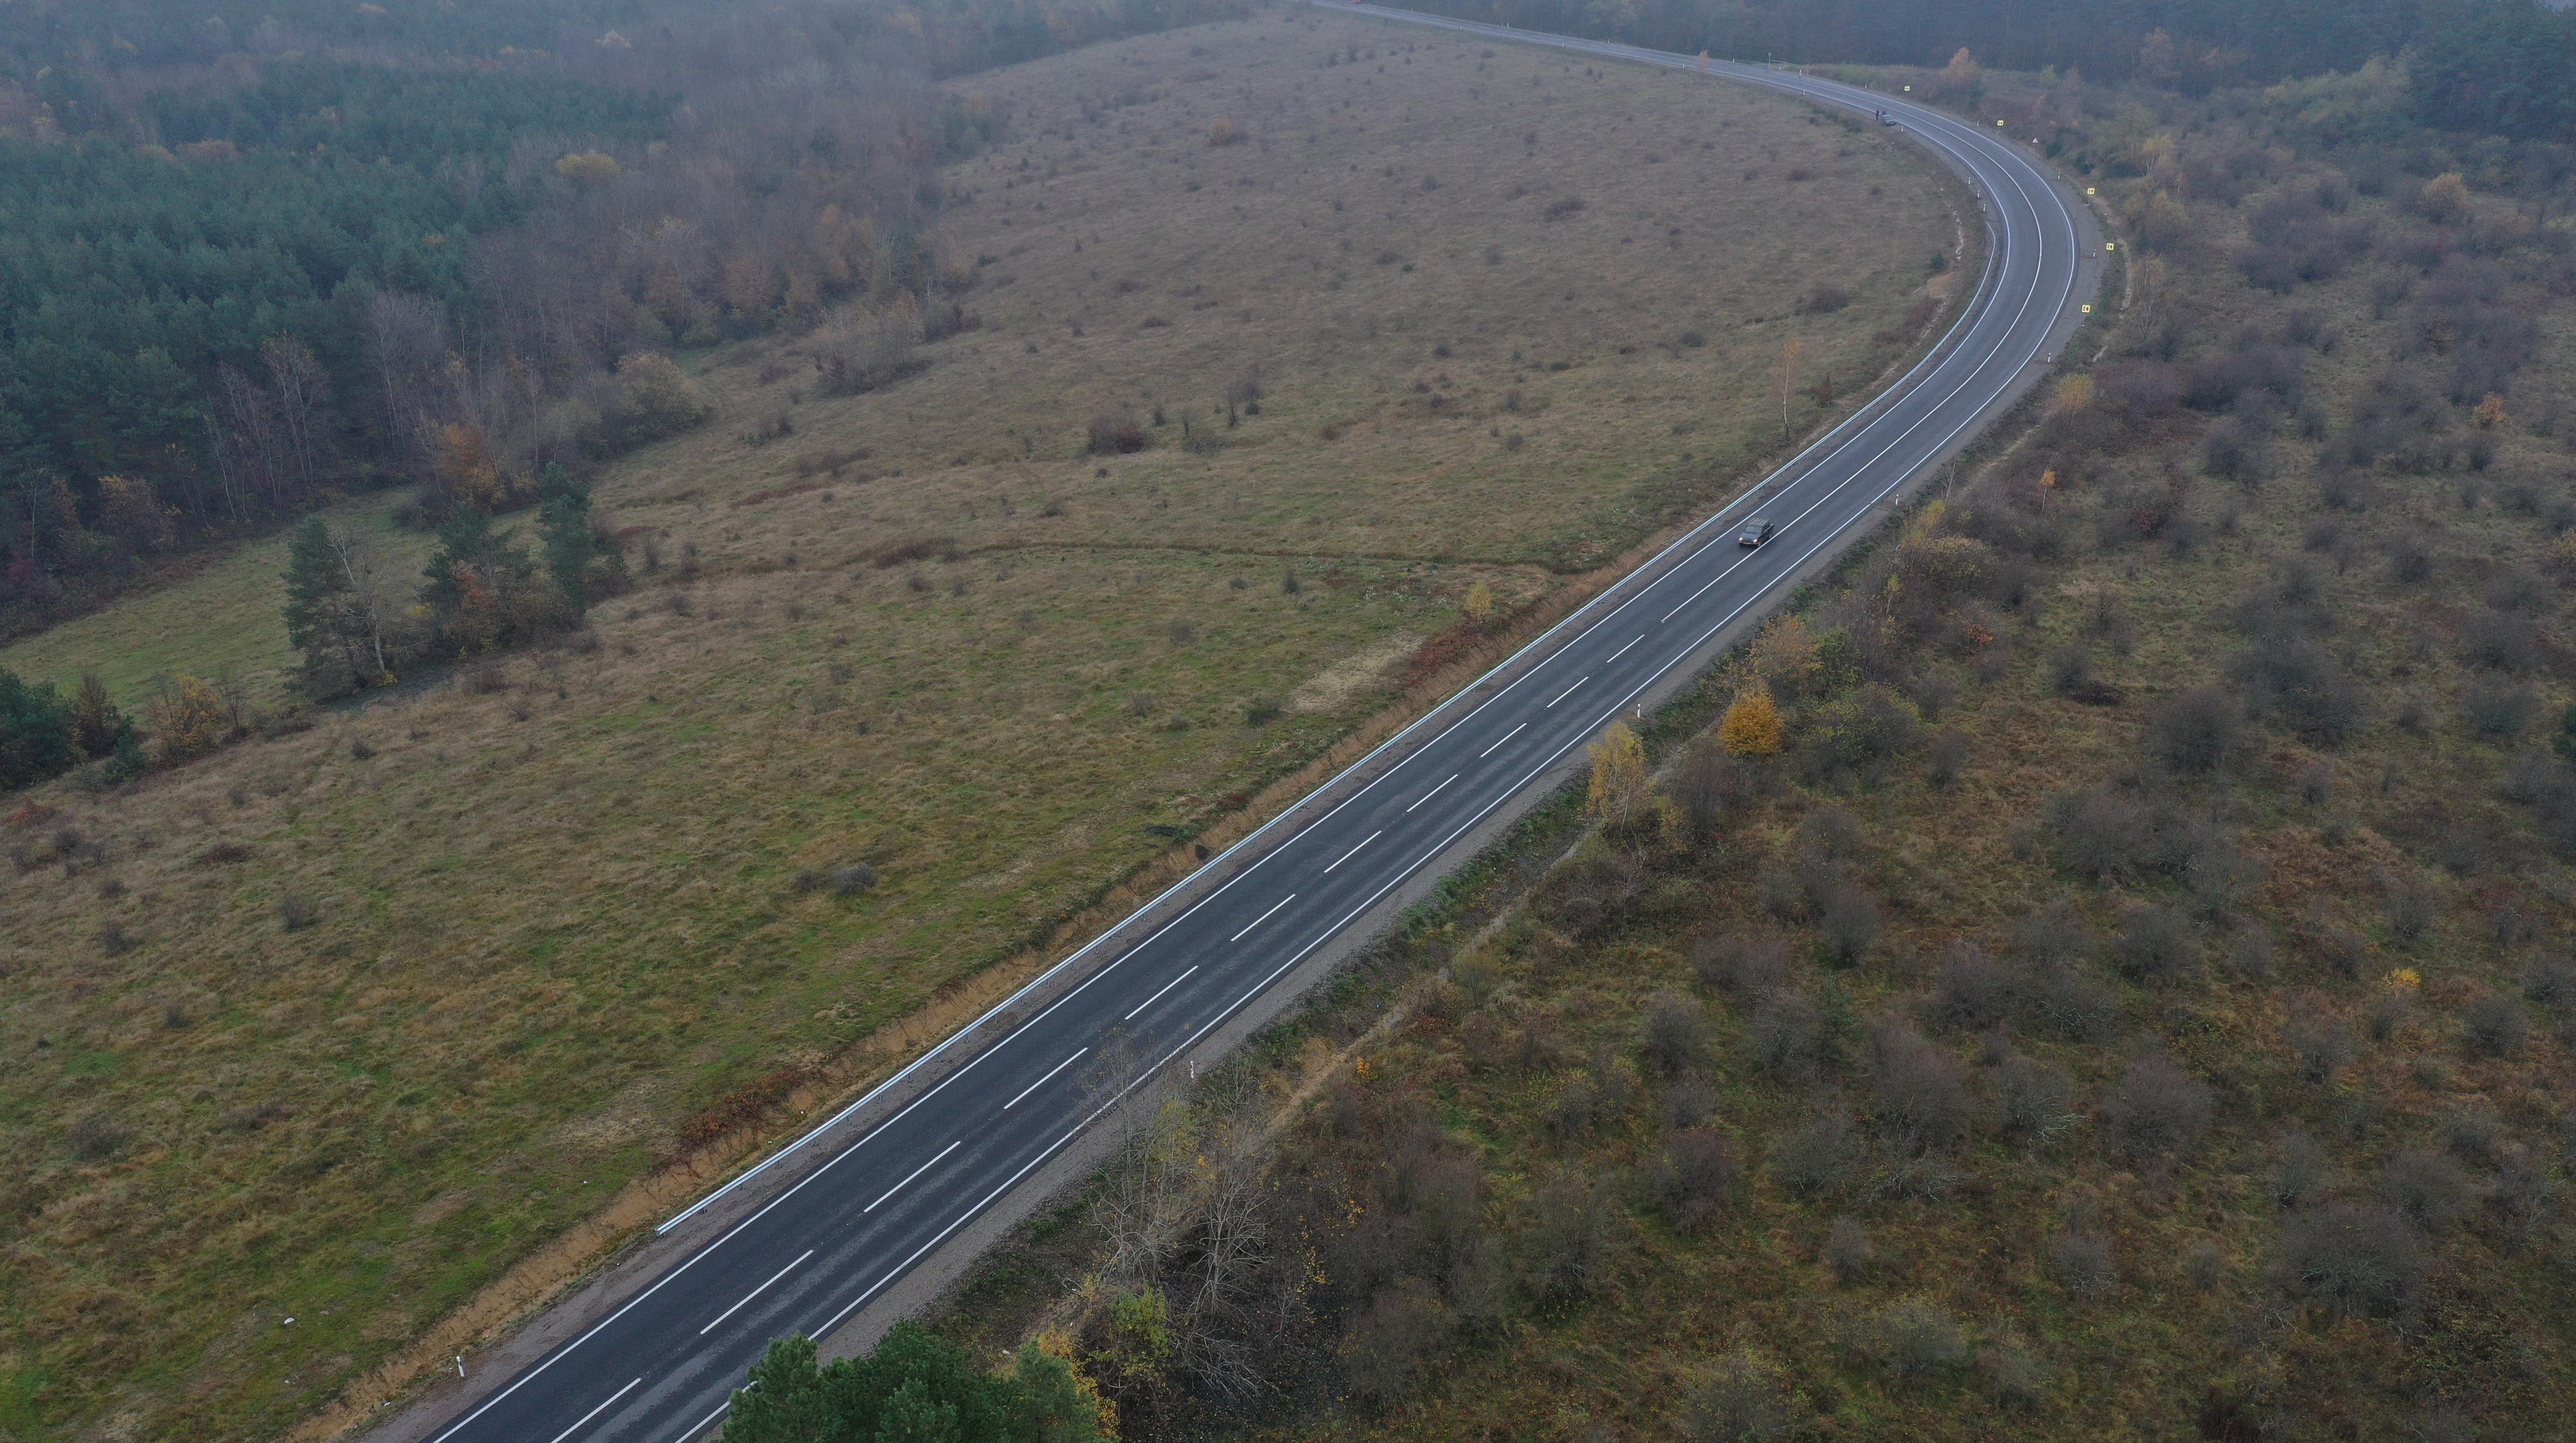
1043, 1081
1435, 791
1498, 741
756, 1292
1355, 851
908, 1177
595, 1412
1623, 651
1166, 987
1264, 917
1569, 691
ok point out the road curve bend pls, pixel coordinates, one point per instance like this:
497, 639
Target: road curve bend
1023, 1083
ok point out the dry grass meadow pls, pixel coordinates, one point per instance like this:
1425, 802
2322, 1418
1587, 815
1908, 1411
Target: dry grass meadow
345, 1024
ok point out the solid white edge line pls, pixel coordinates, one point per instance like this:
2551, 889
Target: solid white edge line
1371, 837
1264, 917
1043, 1081
756, 1292
1175, 982
703, 1422
595, 1412
1515, 731
1426, 796
1971, 317
1571, 690
908, 1177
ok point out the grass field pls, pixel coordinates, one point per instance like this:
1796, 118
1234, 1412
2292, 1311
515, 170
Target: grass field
2349, 1221
345, 1024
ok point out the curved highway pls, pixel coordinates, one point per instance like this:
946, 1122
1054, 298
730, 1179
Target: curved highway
659, 1367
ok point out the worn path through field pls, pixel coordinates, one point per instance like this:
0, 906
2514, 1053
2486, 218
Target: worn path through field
1025, 1083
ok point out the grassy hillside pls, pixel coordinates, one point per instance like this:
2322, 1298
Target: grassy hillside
2135, 1003
343, 1024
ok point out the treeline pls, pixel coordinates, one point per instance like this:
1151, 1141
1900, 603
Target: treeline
248, 261
2504, 67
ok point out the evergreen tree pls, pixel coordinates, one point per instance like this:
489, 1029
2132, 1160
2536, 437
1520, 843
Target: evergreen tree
913, 1388
35, 732
478, 583
97, 726
571, 547
331, 614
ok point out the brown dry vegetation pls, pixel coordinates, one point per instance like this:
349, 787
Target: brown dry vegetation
342, 1023
2136, 1003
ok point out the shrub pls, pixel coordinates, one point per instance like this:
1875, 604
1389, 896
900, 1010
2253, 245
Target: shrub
1675, 1033
1919, 1091
2158, 1108
2320, 1041
2014, 1377
1786, 1035
2426, 1188
1576, 1236
2195, 732
2298, 1169
853, 879
1404, 1329
2156, 946
1971, 990
2498, 709
1689, 1101
2549, 980
2100, 834
2083, 1264
2300, 687
1847, 1249
1847, 922
297, 912
1694, 1176
2034, 1102
1741, 966
2496, 1025
95, 1138
1916, 1342
1741, 1398
1945, 758
1813, 1158
1115, 433
2353, 1260
2072, 1003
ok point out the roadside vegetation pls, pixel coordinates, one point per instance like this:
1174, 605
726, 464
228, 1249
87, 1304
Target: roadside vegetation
395, 1013
2097, 969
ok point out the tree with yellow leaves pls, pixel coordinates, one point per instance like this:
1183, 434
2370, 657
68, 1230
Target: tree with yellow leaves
1618, 777
188, 718
1751, 726
2490, 412
1479, 604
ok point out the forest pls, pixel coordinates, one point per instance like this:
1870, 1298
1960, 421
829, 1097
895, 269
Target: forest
255, 260
2507, 67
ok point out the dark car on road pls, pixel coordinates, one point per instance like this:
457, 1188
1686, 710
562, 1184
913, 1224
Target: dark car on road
1755, 532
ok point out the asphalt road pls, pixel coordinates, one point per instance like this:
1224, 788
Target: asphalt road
660, 1367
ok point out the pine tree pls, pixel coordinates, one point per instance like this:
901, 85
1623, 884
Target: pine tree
35, 732
97, 726
331, 613
570, 546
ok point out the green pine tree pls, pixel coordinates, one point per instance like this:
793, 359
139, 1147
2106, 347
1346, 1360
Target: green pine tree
35, 732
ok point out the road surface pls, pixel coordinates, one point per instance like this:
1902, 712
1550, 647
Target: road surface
660, 1366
